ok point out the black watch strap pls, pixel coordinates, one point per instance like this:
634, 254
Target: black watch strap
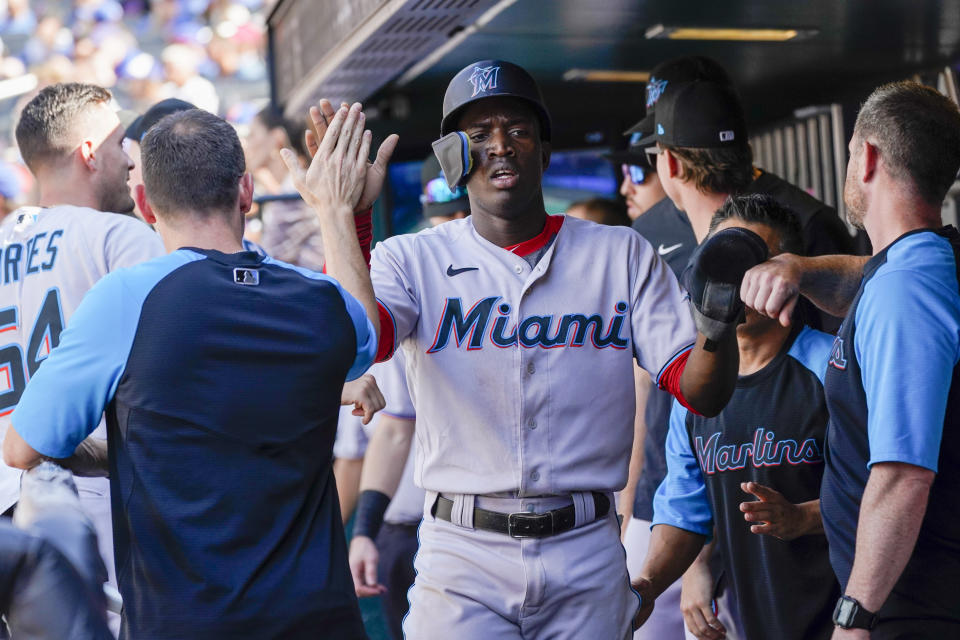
850, 614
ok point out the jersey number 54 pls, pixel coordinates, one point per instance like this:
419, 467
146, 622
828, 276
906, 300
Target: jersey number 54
15, 369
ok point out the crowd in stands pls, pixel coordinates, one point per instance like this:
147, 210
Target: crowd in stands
207, 52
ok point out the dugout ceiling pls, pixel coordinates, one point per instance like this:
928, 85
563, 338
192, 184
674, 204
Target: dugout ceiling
854, 45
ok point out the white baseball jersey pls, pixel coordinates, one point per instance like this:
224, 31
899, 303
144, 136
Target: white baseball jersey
522, 375
50, 258
406, 506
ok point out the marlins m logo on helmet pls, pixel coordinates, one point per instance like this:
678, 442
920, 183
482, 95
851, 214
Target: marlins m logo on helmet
483, 79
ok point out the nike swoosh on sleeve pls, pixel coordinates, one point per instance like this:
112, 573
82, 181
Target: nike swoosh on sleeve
662, 250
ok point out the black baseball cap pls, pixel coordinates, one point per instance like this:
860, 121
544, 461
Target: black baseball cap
155, 114
633, 154
436, 197
703, 115
674, 72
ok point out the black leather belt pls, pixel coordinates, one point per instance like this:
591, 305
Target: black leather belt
522, 524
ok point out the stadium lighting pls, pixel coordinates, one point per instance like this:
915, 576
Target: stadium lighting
605, 75
660, 31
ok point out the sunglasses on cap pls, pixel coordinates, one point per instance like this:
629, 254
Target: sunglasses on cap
437, 192
636, 173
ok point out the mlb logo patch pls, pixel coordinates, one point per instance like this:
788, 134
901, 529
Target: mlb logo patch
249, 277
727, 136
484, 79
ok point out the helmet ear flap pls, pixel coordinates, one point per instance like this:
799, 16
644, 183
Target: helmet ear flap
453, 153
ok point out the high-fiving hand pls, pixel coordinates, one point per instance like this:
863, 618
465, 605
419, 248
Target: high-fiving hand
338, 169
322, 118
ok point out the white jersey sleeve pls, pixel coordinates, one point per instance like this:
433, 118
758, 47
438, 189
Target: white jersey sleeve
394, 287
663, 328
392, 379
352, 440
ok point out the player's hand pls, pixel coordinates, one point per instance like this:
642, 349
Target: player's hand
781, 518
773, 287
647, 600
338, 169
696, 603
363, 567
365, 396
376, 171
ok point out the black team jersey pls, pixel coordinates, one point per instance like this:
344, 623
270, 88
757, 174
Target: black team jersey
771, 432
668, 230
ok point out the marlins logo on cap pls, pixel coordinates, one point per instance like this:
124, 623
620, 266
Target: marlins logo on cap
484, 79
654, 91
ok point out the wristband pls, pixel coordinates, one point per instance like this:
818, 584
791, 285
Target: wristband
371, 505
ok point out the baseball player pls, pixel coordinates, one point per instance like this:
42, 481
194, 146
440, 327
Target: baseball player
768, 442
71, 139
519, 330
391, 506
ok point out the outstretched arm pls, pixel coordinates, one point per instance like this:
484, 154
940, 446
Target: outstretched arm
333, 185
830, 282
710, 376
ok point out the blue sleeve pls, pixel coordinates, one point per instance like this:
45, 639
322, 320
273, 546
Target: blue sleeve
366, 335
812, 350
681, 499
907, 343
64, 400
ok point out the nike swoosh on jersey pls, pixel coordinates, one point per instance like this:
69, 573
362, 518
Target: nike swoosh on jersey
455, 272
662, 250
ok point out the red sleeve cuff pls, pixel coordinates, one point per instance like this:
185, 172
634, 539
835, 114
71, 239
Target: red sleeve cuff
364, 221
387, 334
670, 379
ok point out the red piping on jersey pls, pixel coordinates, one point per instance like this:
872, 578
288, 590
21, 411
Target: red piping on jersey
670, 380
540, 240
387, 334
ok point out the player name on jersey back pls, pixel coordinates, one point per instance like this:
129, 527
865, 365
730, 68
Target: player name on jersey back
37, 253
49, 258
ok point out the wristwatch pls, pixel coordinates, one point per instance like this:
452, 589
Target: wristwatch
850, 614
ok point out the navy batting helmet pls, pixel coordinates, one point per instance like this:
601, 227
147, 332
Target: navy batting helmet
491, 79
